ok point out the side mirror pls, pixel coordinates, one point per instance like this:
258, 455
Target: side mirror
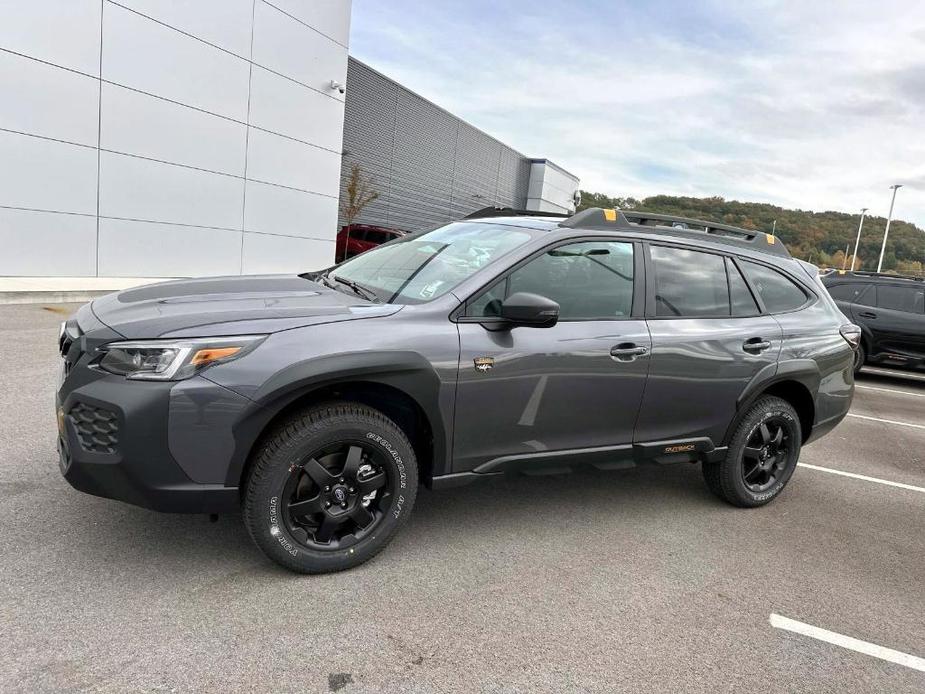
530, 310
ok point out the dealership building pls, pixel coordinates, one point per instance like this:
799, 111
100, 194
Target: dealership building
144, 138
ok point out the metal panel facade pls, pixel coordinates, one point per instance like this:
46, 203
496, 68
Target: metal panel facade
144, 138
427, 165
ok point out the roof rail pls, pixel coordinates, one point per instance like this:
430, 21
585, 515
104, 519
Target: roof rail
511, 212
637, 220
866, 273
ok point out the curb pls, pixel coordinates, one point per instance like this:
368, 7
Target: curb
81, 296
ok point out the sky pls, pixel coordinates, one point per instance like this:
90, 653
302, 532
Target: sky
812, 105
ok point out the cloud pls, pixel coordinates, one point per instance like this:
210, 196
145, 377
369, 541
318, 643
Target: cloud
810, 105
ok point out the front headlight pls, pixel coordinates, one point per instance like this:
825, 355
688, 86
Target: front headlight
172, 360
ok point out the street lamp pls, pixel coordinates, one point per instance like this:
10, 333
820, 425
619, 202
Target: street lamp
886, 232
858, 239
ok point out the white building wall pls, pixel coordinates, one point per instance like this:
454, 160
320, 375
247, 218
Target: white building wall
162, 138
551, 188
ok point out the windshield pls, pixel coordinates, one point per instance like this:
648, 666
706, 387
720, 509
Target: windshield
421, 268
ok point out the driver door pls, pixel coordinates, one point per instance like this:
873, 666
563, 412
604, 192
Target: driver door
531, 397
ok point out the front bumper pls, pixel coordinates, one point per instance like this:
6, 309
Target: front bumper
164, 446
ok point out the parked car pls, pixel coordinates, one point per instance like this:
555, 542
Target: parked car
890, 310
490, 345
357, 238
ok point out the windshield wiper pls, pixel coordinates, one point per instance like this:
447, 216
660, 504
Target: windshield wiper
357, 289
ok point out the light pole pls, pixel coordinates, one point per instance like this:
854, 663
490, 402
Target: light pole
774, 228
886, 232
858, 239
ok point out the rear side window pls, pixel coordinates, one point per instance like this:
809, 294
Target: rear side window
689, 283
847, 292
778, 293
743, 303
906, 299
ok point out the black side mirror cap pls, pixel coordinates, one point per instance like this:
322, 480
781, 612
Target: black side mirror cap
530, 310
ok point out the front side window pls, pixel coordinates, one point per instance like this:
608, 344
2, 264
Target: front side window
905, 299
689, 283
591, 280
778, 293
427, 266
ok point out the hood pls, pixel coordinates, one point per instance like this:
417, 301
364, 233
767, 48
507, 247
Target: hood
229, 306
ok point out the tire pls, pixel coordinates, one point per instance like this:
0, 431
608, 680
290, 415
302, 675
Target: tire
860, 356
736, 479
330, 487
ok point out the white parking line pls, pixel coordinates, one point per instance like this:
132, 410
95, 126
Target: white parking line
848, 642
853, 475
890, 390
887, 421
896, 374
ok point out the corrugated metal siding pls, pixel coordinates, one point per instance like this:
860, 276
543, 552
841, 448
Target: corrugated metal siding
428, 166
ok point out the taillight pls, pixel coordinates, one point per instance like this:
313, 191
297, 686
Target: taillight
852, 334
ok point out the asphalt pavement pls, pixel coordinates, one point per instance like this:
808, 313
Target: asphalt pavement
636, 580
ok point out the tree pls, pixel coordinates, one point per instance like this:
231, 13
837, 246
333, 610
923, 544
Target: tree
359, 195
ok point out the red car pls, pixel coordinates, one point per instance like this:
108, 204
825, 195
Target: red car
362, 237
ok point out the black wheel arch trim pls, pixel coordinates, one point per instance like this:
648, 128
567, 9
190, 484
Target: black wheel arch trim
803, 371
404, 371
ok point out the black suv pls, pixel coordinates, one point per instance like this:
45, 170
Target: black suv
890, 310
496, 344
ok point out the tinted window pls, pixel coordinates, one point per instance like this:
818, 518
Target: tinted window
375, 236
689, 283
590, 281
867, 297
777, 292
847, 292
743, 303
908, 299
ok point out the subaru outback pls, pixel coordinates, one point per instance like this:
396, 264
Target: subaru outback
502, 343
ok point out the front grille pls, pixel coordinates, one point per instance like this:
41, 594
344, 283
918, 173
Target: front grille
97, 428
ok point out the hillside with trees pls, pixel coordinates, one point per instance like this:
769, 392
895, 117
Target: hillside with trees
819, 237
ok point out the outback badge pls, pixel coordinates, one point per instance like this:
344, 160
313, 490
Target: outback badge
484, 364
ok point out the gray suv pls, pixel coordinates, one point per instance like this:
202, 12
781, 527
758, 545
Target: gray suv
505, 342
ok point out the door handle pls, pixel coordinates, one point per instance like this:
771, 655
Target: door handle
867, 314
756, 344
628, 351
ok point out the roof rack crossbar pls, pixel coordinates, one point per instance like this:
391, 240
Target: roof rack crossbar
494, 211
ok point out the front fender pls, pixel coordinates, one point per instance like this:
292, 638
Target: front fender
405, 371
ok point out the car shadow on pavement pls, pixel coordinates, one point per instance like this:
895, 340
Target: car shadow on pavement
117, 535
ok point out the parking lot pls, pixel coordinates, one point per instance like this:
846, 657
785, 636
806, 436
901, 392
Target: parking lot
597, 581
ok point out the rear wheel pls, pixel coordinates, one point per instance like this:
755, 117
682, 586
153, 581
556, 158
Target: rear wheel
330, 487
762, 455
859, 356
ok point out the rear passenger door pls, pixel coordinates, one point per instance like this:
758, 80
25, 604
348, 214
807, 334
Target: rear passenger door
896, 320
708, 342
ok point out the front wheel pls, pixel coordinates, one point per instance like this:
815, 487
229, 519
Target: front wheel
762, 455
330, 487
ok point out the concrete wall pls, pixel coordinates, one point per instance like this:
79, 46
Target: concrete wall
157, 138
427, 165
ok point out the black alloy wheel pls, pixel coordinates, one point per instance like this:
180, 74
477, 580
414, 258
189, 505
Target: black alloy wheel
336, 496
329, 487
766, 454
760, 457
